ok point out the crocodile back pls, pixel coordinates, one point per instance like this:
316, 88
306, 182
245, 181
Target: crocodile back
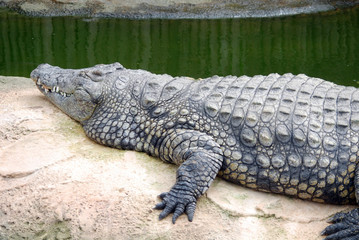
287, 134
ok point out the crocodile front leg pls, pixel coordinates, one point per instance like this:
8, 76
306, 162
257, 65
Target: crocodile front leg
345, 225
200, 159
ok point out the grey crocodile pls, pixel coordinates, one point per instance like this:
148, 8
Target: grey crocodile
288, 134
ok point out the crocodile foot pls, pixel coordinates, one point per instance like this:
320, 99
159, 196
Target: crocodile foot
344, 226
178, 201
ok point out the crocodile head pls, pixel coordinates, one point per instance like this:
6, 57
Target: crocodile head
75, 91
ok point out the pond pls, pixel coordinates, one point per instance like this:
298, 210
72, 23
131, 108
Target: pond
323, 45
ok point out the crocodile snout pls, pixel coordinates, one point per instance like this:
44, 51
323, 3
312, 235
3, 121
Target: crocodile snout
35, 74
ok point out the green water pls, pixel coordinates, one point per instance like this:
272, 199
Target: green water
322, 45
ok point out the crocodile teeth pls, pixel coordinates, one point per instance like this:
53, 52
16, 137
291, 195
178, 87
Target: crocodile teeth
64, 94
55, 89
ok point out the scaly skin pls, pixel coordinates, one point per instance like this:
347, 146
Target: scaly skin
293, 135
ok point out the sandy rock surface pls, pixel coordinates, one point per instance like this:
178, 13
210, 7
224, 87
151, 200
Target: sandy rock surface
55, 183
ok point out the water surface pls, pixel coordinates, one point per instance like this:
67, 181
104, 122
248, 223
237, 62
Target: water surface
321, 45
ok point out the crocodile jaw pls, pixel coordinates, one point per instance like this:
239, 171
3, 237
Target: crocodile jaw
68, 89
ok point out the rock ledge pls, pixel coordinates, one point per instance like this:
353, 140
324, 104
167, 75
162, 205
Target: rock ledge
174, 9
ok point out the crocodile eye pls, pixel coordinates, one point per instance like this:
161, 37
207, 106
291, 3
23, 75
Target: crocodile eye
97, 73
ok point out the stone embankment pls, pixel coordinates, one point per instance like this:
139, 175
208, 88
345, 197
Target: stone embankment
174, 9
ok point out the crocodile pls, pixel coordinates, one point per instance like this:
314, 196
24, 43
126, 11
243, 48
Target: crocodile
287, 134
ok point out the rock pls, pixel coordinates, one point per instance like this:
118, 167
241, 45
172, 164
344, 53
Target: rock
31, 153
173, 9
56, 183
34, 7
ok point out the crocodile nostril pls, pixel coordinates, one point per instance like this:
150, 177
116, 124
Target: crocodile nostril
34, 75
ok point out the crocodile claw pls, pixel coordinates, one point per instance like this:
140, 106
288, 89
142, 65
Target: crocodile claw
344, 226
176, 202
